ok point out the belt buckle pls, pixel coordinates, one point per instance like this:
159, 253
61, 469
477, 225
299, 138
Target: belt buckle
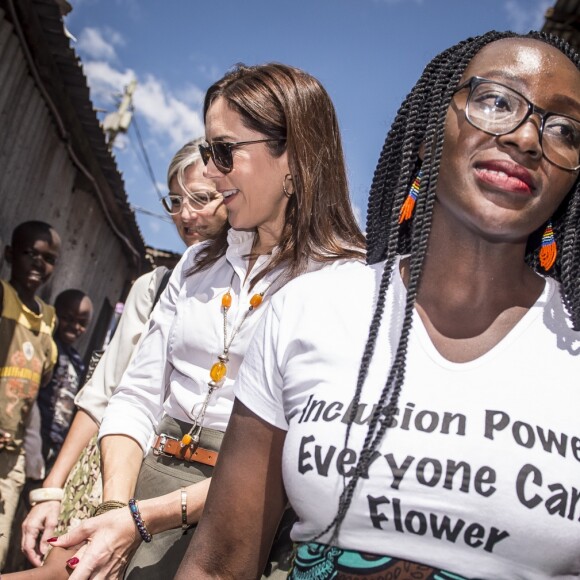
160, 449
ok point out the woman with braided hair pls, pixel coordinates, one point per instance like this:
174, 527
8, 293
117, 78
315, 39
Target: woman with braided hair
444, 441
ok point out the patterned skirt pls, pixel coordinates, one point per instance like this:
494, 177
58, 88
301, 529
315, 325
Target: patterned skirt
315, 561
83, 489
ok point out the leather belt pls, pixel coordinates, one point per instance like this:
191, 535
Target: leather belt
172, 447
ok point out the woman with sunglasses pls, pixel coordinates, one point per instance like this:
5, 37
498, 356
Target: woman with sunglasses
198, 213
275, 156
435, 434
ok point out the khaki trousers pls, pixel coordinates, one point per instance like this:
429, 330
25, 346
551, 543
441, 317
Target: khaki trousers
12, 479
160, 475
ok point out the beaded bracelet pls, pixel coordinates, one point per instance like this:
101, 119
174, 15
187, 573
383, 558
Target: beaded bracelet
107, 506
147, 537
184, 524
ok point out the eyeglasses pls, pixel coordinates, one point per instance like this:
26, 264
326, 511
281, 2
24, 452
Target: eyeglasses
221, 152
499, 110
173, 203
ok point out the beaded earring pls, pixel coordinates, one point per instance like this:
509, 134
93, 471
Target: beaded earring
548, 249
409, 205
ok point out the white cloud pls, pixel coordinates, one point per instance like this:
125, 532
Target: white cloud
172, 115
105, 81
191, 94
121, 141
99, 43
526, 15
166, 114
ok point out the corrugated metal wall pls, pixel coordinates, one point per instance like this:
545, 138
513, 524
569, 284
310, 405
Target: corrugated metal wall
39, 181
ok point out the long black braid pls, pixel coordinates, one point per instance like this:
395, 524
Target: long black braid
420, 123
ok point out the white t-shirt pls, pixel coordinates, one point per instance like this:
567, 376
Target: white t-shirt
480, 475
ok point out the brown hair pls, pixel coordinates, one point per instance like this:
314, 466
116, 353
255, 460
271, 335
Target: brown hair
291, 106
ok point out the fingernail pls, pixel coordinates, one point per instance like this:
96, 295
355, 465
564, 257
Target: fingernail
52, 539
72, 562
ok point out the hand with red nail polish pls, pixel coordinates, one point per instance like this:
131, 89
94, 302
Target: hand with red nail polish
52, 539
37, 528
112, 540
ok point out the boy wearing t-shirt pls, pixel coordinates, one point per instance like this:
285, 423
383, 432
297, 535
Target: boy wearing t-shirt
27, 353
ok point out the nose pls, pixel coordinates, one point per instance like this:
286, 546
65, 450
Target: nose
39, 263
210, 171
188, 214
526, 137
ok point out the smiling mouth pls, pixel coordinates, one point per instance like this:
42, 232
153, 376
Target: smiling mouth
228, 193
505, 180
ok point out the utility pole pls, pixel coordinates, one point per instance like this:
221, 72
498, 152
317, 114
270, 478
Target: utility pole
119, 121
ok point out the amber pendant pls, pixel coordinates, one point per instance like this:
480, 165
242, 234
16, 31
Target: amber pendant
218, 371
256, 300
191, 438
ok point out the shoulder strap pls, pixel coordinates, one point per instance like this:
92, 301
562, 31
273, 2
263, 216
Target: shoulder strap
2, 294
161, 287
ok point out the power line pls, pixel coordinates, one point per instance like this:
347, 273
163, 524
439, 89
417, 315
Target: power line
145, 157
163, 217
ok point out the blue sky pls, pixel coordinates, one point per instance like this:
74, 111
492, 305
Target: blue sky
367, 53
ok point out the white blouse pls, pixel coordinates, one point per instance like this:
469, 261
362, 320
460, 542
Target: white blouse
96, 392
170, 371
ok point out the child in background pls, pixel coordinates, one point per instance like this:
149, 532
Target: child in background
27, 353
53, 412
74, 311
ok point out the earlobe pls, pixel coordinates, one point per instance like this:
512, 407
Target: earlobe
288, 186
421, 152
8, 254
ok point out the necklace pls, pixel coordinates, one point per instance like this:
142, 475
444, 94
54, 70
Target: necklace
219, 369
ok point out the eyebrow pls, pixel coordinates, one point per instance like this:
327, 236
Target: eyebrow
566, 101
222, 138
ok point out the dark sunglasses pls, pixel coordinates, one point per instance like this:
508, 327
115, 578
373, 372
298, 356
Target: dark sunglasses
221, 152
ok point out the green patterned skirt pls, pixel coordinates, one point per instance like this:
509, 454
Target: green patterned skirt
315, 561
83, 489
